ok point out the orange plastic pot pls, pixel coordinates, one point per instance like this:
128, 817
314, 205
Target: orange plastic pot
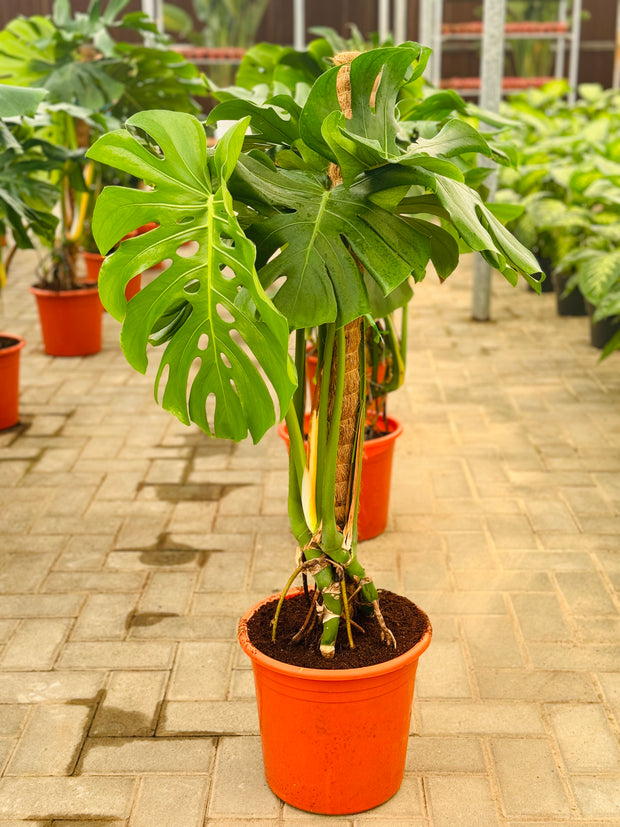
71, 320
93, 262
374, 501
334, 741
9, 379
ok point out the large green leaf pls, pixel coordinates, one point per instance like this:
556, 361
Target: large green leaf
311, 238
598, 275
192, 307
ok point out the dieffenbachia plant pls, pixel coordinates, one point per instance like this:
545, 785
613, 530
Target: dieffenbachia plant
295, 218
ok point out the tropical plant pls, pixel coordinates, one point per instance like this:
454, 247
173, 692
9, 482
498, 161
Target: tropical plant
224, 22
93, 82
568, 181
27, 198
289, 225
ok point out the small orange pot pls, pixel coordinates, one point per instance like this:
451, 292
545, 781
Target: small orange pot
374, 502
334, 741
93, 262
71, 320
9, 379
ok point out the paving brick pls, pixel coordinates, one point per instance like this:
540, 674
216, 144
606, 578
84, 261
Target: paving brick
51, 740
492, 641
131, 704
44, 606
535, 685
209, 717
443, 672
96, 581
541, 617
528, 778
122, 655
458, 717
201, 672
158, 626
585, 738
58, 798
29, 570
467, 802
36, 687
104, 617
174, 801
142, 756
597, 797
12, 719
35, 644
585, 593
445, 754
168, 592
239, 786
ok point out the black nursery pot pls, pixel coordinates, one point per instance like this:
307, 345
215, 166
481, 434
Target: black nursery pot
572, 304
602, 331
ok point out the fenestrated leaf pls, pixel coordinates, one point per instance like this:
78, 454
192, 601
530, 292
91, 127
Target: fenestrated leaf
309, 239
191, 306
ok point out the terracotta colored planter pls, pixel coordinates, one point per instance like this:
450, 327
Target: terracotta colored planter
70, 320
9, 379
372, 515
334, 741
93, 263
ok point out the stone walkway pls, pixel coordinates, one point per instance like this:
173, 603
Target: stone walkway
130, 545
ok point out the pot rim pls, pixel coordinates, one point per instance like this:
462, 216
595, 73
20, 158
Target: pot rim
311, 673
85, 288
395, 425
18, 343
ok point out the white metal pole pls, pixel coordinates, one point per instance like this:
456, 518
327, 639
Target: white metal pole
491, 75
436, 41
616, 79
299, 25
560, 43
400, 21
383, 20
575, 45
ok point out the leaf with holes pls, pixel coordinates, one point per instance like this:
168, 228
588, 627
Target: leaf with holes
192, 306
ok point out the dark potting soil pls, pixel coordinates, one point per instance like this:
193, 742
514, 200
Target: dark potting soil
406, 621
7, 341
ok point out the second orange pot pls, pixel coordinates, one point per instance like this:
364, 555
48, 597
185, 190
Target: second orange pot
334, 741
71, 320
374, 502
9, 379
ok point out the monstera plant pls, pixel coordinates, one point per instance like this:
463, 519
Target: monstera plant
305, 209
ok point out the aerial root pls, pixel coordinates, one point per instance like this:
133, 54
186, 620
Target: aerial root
386, 635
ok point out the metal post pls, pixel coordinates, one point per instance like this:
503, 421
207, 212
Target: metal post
491, 75
384, 20
575, 44
560, 43
400, 21
299, 25
616, 79
155, 11
436, 41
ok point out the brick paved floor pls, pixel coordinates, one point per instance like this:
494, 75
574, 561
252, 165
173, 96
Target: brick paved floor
131, 544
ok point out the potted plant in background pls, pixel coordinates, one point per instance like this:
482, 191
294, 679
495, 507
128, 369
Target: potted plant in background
286, 223
26, 204
93, 82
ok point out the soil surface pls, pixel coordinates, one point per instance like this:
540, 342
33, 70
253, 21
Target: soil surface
7, 341
406, 621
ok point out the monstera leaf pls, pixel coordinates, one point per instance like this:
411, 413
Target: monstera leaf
314, 235
194, 307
